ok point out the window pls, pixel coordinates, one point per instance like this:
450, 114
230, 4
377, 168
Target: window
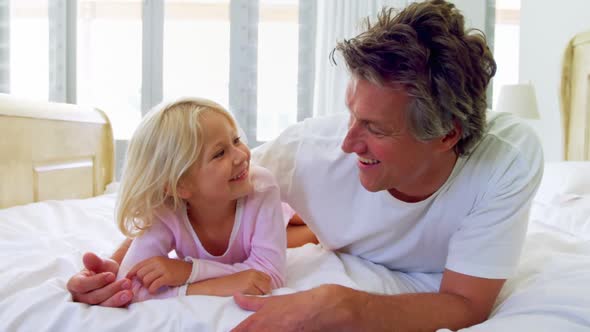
125, 56
506, 44
109, 58
278, 32
29, 49
223, 51
197, 50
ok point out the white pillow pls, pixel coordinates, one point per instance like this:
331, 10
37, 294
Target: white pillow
567, 213
564, 178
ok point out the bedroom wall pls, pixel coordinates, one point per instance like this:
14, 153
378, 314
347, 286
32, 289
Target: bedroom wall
546, 26
474, 12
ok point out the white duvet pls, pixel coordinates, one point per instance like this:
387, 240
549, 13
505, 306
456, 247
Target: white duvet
41, 247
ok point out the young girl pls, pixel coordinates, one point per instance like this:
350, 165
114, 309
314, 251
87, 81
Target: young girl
188, 186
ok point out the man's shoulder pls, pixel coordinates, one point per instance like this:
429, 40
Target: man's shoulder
507, 138
306, 143
328, 126
509, 149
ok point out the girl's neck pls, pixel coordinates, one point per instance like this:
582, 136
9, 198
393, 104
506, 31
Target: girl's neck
210, 213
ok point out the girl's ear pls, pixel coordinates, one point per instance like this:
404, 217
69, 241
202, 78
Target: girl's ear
183, 192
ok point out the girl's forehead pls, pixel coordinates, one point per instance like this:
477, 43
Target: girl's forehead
217, 117
216, 128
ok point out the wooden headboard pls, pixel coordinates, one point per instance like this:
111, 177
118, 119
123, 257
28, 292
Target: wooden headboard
52, 151
575, 98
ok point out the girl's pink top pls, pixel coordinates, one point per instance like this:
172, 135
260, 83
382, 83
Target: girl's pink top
257, 241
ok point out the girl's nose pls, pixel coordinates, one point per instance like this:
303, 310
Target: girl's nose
240, 156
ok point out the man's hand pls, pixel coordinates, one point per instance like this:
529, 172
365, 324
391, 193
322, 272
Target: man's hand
251, 282
463, 301
318, 309
96, 284
156, 272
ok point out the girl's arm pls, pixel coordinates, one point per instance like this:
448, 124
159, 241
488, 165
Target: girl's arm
268, 244
248, 282
298, 235
154, 243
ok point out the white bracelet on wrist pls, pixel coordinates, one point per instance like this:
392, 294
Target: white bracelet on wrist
195, 270
182, 290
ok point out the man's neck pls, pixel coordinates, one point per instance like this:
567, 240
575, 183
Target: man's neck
438, 174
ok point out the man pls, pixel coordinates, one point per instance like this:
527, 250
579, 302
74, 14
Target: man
442, 193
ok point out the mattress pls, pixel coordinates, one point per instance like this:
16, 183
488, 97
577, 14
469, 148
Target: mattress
41, 246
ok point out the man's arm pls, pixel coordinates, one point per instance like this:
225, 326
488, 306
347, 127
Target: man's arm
461, 302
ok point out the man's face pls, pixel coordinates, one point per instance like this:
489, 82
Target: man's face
389, 156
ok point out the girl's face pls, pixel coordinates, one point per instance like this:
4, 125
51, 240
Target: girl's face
222, 172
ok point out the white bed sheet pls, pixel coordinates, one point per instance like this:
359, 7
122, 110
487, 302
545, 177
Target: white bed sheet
41, 247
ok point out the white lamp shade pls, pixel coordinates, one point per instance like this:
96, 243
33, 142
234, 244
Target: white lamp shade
519, 99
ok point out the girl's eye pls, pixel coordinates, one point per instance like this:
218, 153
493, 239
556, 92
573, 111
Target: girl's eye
237, 140
219, 154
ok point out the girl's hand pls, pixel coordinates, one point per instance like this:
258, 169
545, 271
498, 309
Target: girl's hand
250, 282
160, 271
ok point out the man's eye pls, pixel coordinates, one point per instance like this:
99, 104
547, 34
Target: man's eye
219, 154
373, 130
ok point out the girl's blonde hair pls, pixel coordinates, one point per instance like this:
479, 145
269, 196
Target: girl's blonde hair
166, 143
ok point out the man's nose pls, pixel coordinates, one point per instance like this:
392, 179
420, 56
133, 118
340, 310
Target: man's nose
353, 142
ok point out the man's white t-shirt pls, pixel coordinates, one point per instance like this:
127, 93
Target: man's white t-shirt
474, 224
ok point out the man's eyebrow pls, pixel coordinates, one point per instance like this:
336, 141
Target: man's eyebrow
369, 121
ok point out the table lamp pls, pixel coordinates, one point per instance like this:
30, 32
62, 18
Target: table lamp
519, 99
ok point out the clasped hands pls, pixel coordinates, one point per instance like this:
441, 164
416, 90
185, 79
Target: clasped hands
157, 272
96, 285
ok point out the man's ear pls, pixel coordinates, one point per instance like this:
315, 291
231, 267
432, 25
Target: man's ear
452, 137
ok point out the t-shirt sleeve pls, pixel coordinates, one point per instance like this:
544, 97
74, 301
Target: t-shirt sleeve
157, 241
279, 157
489, 240
268, 246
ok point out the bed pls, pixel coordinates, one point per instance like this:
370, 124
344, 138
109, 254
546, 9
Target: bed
56, 161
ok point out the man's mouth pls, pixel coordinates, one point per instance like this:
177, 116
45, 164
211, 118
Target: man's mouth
366, 161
